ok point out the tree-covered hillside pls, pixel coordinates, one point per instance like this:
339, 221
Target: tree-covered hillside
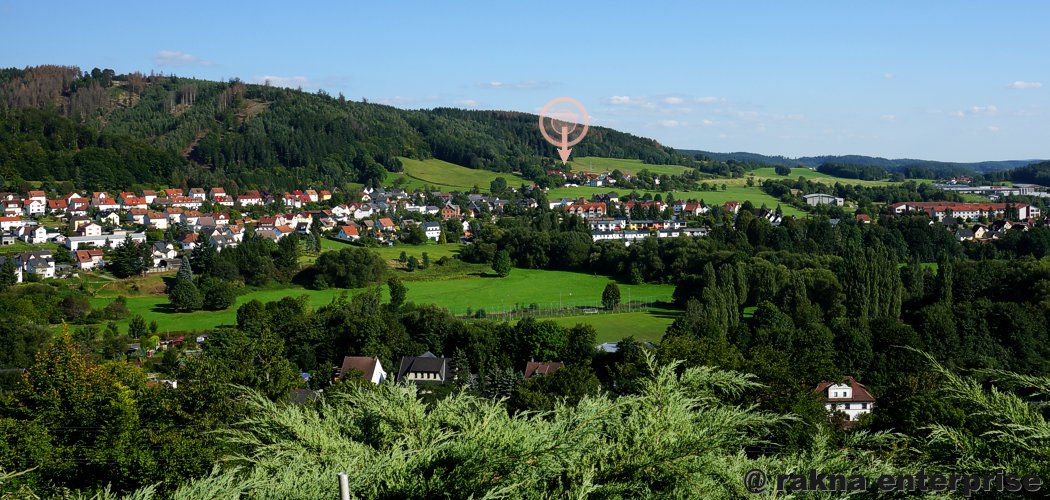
66, 124
911, 168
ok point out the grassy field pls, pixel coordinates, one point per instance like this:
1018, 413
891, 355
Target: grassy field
738, 193
643, 326
548, 289
421, 173
21, 246
813, 175
598, 164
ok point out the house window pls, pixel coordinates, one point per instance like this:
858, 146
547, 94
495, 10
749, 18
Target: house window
864, 406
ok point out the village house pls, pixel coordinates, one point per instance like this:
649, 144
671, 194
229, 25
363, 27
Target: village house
37, 195
11, 223
367, 368
57, 207
426, 368
432, 230
849, 397
34, 235
89, 259
450, 211
540, 368
348, 233
41, 263
163, 254
34, 207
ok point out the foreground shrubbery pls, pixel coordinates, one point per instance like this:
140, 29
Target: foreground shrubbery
681, 436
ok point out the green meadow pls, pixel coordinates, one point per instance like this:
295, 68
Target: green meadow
738, 193
546, 289
813, 175
442, 174
598, 164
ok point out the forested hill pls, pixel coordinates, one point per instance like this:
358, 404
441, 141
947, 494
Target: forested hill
903, 165
100, 130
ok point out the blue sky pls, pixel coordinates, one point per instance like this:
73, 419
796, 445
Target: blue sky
952, 81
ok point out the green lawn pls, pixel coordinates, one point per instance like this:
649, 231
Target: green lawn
548, 289
598, 164
420, 173
21, 246
732, 193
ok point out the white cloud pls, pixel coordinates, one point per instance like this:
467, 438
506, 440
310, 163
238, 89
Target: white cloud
526, 85
988, 110
984, 110
467, 103
889, 76
176, 58
290, 82
707, 100
708, 123
673, 100
1020, 85
747, 115
620, 99
993, 129
672, 123
889, 118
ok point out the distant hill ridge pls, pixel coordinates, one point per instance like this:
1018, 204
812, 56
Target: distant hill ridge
178, 130
895, 165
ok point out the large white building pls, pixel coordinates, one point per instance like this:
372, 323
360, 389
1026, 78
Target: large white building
941, 209
112, 240
823, 199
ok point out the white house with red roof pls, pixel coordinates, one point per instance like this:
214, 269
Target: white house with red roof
849, 397
34, 207
348, 233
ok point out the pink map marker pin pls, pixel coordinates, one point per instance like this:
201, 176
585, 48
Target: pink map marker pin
562, 142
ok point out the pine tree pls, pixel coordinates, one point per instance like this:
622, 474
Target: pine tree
501, 263
611, 296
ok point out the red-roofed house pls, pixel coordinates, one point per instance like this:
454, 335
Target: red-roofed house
585, 210
89, 259
539, 368
56, 206
849, 397
369, 369
348, 233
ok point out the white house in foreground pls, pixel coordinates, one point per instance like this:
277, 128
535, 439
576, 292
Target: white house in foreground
849, 397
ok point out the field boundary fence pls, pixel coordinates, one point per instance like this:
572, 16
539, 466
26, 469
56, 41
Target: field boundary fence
518, 310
